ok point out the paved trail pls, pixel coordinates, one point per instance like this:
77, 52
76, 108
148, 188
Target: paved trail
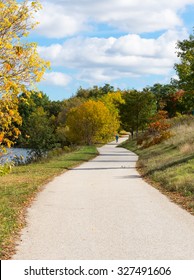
104, 210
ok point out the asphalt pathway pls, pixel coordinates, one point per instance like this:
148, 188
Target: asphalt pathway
104, 210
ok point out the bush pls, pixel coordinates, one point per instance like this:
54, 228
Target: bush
158, 131
6, 168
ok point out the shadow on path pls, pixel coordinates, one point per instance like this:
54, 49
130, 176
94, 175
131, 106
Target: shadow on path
99, 168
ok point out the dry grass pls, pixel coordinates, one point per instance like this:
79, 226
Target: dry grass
170, 164
187, 148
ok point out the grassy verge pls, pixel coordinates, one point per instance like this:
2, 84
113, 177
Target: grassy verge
18, 189
169, 166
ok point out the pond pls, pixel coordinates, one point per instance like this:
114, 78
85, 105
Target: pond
12, 152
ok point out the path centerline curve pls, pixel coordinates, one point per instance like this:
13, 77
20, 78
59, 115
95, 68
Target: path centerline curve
103, 210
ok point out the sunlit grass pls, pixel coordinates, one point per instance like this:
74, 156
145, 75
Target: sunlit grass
18, 188
170, 165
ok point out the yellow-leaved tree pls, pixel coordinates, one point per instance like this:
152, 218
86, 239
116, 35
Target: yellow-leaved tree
112, 100
20, 63
90, 122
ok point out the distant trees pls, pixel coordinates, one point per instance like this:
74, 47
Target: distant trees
95, 92
162, 93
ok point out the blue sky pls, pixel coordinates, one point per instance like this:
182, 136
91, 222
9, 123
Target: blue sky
127, 43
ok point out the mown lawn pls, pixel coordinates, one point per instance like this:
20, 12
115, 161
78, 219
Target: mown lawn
19, 188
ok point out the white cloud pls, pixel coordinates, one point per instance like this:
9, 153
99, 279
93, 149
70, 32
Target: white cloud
62, 18
56, 23
105, 59
57, 79
100, 59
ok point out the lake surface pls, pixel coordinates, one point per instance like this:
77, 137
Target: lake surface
12, 152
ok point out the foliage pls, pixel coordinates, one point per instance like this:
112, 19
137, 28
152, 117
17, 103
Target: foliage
165, 95
20, 64
188, 102
66, 106
174, 103
172, 99
112, 101
28, 105
95, 92
90, 122
40, 133
9, 120
61, 132
5, 168
185, 69
158, 130
136, 110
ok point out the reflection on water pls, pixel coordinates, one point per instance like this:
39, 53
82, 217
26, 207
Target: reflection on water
13, 152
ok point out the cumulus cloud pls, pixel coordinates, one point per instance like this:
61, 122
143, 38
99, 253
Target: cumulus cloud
62, 18
55, 22
57, 79
102, 59
94, 59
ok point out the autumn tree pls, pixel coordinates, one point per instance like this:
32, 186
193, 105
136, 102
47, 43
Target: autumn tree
90, 122
113, 100
162, 94
9, 121
157, 131
20, 64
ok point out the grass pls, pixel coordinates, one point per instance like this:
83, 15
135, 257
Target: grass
169, 166
19, 188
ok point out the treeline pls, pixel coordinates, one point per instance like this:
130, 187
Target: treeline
91, 116
96, 114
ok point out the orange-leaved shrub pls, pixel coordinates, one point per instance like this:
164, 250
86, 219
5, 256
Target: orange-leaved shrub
157, 131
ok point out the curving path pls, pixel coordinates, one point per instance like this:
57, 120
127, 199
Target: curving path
104, 210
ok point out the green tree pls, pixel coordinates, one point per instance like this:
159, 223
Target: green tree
185, 69
188, 102
40, 132
137, 109
163, 94
27, 105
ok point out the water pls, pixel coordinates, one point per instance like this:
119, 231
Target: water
12, 152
